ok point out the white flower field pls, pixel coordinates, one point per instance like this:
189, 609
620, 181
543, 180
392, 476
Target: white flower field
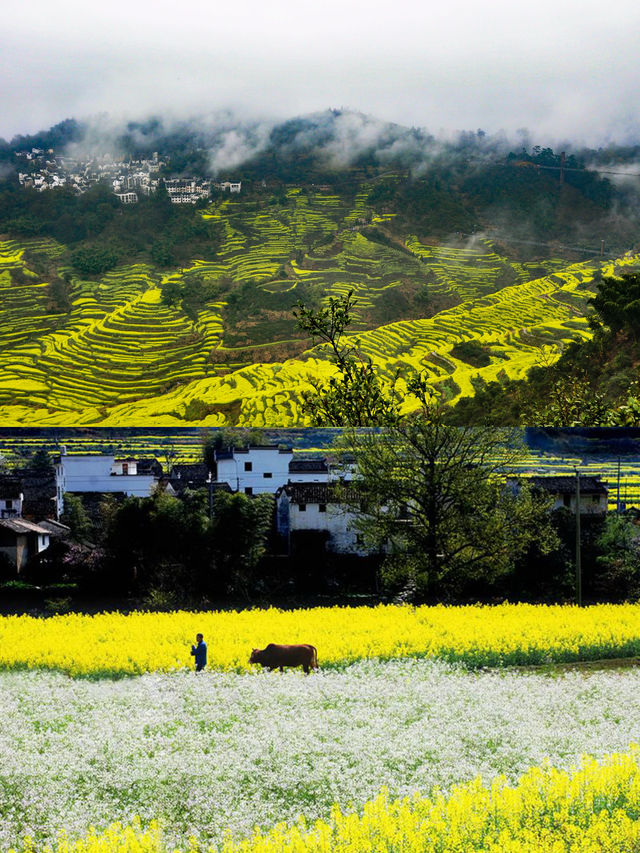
221, 752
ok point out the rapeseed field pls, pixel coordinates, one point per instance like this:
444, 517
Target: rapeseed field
593, 808
120, 356
475, 636
417, 733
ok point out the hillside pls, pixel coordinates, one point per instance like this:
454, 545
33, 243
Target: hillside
121, 355
469, 264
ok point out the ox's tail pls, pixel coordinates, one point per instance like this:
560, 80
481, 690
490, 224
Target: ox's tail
314, 657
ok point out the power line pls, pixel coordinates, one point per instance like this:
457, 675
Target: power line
494, 238
571, 169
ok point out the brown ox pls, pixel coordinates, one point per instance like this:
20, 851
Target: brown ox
276, 655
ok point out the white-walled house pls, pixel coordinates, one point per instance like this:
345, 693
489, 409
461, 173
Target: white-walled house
231, 186
103, 474
127, 197
11, 497
254, 470
594, 494
319, 508
20, 540
260, 469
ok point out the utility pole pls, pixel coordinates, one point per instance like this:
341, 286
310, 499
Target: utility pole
210, 485
602, 248
578, 554
618, 498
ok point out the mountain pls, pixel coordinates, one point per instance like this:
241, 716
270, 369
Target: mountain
465, 258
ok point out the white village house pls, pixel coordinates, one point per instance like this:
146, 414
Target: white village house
263, 469
320, 508
104, 474
594, 494
307, 498
11, 497
20, 540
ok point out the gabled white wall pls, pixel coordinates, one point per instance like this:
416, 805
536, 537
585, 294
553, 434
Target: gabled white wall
82, 474
337, 520
263, 461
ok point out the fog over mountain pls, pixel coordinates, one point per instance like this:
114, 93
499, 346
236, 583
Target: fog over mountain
565, 71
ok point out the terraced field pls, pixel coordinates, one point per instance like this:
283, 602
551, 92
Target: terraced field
120, 356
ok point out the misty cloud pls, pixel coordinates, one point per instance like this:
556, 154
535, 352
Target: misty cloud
623, 174
237, 146
564, 71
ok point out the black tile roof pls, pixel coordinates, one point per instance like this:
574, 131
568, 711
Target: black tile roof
301, 465
195, 471
180, 484
149, 465
567, 484
319, 493
21, 525
56, 529
230, 451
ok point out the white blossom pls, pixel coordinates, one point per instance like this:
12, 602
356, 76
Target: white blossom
216, 751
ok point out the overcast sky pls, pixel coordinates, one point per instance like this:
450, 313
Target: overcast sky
566, 70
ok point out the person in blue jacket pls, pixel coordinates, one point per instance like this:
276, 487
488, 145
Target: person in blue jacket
200, 653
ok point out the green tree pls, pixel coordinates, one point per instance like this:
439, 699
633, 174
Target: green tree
570, 401
94, 260
171, 292
41, 464
619, 559
239, 535
161, 203
162, 253
434, 498
617, 303
75, 516
159, 542
356, 395
169, 451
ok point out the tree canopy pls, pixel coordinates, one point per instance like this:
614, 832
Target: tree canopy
617, 303
355, 395
434, 498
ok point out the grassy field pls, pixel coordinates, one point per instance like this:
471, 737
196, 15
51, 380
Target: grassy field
119, 356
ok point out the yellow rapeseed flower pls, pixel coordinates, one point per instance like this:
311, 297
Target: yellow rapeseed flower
118, 644
591, 809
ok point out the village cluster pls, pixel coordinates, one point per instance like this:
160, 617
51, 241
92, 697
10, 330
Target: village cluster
311, 494
45, 170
